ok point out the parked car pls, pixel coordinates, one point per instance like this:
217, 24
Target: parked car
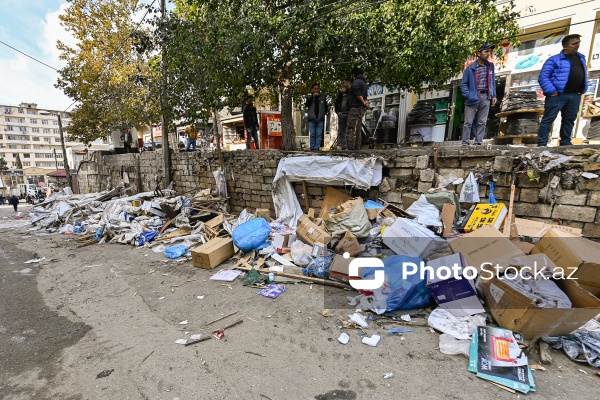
148, 146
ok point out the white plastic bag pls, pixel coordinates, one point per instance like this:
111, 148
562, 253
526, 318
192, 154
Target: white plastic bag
425, 213
301, 253
452, 346
470, 190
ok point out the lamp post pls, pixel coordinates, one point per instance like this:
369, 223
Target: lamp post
64, 149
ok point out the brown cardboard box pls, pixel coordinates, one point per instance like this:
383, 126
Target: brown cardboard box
282, 241
216, 221
263, 213
537, 229
333, 198
349, 244
339, 268
575, 255
212, 253
515, 311
526, 247
310, 233
484, 245
447, 217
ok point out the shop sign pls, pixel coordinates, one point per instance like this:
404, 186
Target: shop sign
595, 57
274, 125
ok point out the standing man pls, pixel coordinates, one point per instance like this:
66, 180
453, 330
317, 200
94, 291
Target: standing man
127, 138
563, 79
478, 87
192, 136
357, 105
251, 123
317, 108
14, 201
341, 109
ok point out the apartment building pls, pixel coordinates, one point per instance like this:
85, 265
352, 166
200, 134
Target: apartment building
30, 135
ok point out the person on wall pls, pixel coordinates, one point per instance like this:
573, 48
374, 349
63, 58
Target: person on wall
357, 106
317, 108
563, 79
127, 138
192, 136
478, 87
341, 109
251, 123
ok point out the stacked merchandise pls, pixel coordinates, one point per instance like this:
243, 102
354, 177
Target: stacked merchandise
594, 131
522, 123
423, 113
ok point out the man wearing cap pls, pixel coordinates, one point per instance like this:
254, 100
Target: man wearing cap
478, 87
563, 79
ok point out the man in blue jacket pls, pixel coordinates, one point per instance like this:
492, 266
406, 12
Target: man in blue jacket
563, 79
478, 87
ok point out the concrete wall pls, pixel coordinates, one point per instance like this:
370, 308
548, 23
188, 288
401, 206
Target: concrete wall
407, 172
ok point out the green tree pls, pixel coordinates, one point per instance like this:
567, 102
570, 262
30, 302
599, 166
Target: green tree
105, 73
3, 164
285, 45
18, 162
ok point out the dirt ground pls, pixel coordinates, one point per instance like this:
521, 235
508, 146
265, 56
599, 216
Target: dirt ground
116, 308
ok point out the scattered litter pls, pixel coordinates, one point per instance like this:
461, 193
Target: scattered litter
227, 275
589, 175
405, 317
393, 331
200, 297
183, 322
388, 375
34, 260
344, 338
537, 367
272, 291
451, 346
358, 320
371, 341
25, 271
104, 373
459, 327
181, 341
219, 334
580, 346
582, 371
327, 312
195, 336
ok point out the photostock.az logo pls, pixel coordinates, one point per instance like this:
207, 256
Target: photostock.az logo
366, 262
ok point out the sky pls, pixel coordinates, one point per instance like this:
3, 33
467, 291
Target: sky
33, 27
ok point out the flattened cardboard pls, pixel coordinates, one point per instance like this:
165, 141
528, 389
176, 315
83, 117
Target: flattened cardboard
515, 311
183, 231
458, 296
447, 217
339, 268
310, 233
484, 245
406, 237
212, 253
263, 213
333, 198
216, 221
526, 247
575, 255
537, 229
348, 243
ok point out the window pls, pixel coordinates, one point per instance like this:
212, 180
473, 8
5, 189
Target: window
14, 164
57, 140
35, 139
33, 112
12, 147
59, 155
21, 111
1, 137
25, 147
23, 128
47, 139
26, 164
46, 130
21, 120
35, 130
45, 121
8, 119
44, 155
33, 121
55, 122
8, 128
55, 131
8, 110
15, 155
11, 137
26, 155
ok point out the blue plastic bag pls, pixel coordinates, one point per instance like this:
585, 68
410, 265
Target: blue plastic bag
491, 197
146, 237
175, 251
404, 294
373, 204
251, 235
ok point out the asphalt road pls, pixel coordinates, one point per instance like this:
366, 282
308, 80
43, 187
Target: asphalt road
31, 334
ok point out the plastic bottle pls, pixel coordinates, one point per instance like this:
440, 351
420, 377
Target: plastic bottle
319, 267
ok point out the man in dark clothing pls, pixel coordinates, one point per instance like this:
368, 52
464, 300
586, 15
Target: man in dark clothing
251, 123
14, 201
478, 87
563, 79
357, 105
341, 109
127, 138
317, 108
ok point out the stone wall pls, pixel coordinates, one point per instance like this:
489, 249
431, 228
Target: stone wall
407, 172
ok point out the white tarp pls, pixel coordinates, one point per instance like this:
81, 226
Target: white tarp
361, 173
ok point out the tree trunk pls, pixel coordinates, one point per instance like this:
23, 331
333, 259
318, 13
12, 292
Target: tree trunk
288, 133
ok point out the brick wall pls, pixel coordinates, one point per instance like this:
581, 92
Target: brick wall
407, 172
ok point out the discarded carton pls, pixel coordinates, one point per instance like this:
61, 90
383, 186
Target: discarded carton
458, 296
526, 247
282, 241
333, 198
515, 311
212, 253
310, 233
447, 217
575, 255
263, 213
340, 267
408, 238
537, 229
484, 246
482, 215
216, 221
349, 244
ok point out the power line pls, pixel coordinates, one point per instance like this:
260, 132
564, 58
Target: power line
27, 55
555, 9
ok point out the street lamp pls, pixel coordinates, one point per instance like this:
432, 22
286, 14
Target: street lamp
62, 143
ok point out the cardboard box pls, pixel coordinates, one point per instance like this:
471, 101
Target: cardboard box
216, 221
447, 217
349, 244
333, 198
575, 255
310, 233
482, 215
526, 247
283, 240
537, 229
263, 213
408, 238
458, 296
212, 253
515, 311
339, 268
484, 245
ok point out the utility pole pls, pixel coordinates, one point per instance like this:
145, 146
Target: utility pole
165, 129
64, 150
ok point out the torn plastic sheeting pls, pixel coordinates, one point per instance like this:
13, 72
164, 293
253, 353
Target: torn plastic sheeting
581, 343
425, 213
460, 328
244, 216
362, 173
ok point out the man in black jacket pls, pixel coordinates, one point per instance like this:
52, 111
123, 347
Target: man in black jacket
357, 105
317, 108
251, 123
341, 109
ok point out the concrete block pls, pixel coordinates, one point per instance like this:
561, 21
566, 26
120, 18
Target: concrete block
503, 164
532, 210
458, 173
393, 197
472, 162
592, 230
406, 162
571, 197
422, 162
574, 213
448, 162
427, 175
401, 172
423, 187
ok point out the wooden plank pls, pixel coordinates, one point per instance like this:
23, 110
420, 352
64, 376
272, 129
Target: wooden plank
525, 110
592, 166
300, 277
511, 203
305, 195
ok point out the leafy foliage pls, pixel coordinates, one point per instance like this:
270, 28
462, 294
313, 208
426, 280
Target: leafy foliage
3, 164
